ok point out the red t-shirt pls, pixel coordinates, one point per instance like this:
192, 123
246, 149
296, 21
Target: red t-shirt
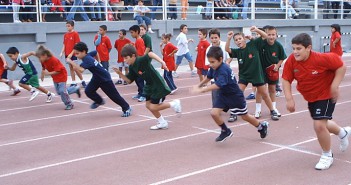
337, 49
201, 54
69, 40
1, 67
103, 48
140, 46
314, 76
169, 60
54, 64
119, 44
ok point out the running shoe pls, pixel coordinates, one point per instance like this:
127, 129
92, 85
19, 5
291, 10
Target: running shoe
324, 163
224, 135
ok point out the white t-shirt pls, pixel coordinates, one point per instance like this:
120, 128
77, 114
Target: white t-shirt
225, 54
182, 44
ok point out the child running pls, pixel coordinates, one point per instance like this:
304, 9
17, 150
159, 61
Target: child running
155, 88
183, 50
230, 96
119, 44
3, 76
31, 76
101, 79
168, 51
52, 66
318, 77
335, 40
202, 69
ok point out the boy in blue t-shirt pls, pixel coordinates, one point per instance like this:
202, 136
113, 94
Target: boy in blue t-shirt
230, 96
101, 79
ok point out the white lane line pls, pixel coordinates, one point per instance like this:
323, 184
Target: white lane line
99, 155
228, 163
29, 107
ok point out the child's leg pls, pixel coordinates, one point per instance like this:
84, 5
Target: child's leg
73, 74
167, 75
225, 131
323, 134
155, 106
199, 72
262, 91
272, 91
110, 90
252, 120
190, 60
25, 86
90, 91
61, 89
42, 89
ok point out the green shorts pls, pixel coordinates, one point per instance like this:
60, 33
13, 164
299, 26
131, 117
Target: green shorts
30, 80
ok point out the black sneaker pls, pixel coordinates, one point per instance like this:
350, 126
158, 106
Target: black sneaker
78, 93
125, 83
96, 105
274, 115
232, 118
73, 85
264, 130
118, 82
84, 84
224, 135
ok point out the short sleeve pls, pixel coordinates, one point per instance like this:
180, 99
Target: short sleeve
288, 73
332, 61
132, 76
234, 53
77, 38
282, 55
222, 79
108, 43
210, 74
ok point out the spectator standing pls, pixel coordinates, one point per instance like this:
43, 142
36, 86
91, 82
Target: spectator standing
172, 10
16, 4
154, 4
185, 5
77, 5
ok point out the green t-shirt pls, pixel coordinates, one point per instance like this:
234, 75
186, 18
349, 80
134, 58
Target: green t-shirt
155, 86
250, 68
272, 54
147, 41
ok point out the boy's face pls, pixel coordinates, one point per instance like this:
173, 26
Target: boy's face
185, 30
102, 31
272, 36
301, 53
200, 35
215, 39
134, 34
142, 31
140, 3
43, 58
69, 27
240, 41
80, 54
214, 63
13, 56
120, 35
129, 60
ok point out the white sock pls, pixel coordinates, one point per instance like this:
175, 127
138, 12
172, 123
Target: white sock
327, 153
172, 104
48, 93
161, 119
32, 90
149, 29
258, 107
274, 104
74, 82
342, 133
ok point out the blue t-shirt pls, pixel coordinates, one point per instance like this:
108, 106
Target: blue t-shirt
95, 67
225, 79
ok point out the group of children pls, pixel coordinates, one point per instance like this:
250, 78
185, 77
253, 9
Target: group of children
318, 76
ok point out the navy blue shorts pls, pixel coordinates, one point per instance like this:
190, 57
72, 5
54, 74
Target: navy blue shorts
322, 109
235, 103
155, 101
72, 58
4, 74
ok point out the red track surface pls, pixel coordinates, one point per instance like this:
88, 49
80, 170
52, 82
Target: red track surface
42, 144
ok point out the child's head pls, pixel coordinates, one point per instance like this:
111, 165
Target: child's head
215, 36
69, 26
215, 56
134, 31
184, 28
129, 54
140, 2
302, 46
12, 53
202, 33
166, 37
142, 29
335, 28
122, 33
80, 50
102, 29
43, 53
272, 34
239, 40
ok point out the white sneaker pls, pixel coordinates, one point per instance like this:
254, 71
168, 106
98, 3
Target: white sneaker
277, 94
50, 97
278, 113
193, 73
177, 107
324, 163
150, 31
344, 142
257, 114
160, 126
175, 74
34, 95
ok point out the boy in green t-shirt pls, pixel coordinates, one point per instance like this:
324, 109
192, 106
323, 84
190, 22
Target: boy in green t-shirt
250, 68
155, 88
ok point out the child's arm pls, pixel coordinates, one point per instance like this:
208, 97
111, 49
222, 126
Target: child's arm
200, 89
62, 51
290, 103
44, 73
277, 66
161, 49
4, 60
334, 88
25, 56
172, 54
335, 42
70, 55
227, 44
158, 59
262, 33
121, 75
76, 67
98, 40
98, 57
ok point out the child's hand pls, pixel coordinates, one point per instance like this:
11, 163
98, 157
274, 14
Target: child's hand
164, 66
68, 60
170, 55
196, 90
42, 76
117, 70
191, 40
230, 35
161, 44
253, 28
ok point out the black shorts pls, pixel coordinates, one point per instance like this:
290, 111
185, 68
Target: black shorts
322, 109
253, 84
155, 101
235, 103
4, 74
72, 58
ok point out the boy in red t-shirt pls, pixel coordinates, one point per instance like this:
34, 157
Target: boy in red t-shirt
318, 77
3, 75
119, 44
69, 40
140, 49
202, 69
52, 66
103, 46
168, 52
335, 40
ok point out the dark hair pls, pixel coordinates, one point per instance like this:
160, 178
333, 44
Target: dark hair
182, 26
236, 34
265, 27
142, 25
215, 52
167, 36
42, 50
269, 28
124, 32
81, 46
70, 23
336, 27
135, 28
128, 50
104, 27
214, 31
12, 50
303, 39
203, 31
141, 1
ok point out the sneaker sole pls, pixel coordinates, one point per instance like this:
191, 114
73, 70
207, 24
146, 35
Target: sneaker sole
158, 128
231, 134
